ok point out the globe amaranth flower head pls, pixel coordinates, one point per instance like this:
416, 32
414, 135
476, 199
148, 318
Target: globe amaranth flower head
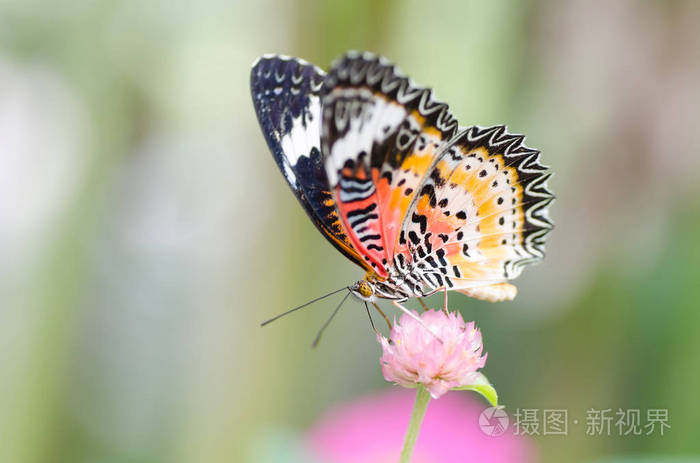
448, 358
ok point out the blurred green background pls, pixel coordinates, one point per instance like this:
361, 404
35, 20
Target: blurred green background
145, 230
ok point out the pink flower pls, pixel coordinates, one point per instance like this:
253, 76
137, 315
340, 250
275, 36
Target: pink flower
371, 430
412, 355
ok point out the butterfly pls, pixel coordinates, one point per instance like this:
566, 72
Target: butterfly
395, 184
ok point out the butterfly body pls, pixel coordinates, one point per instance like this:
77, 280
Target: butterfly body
392, 181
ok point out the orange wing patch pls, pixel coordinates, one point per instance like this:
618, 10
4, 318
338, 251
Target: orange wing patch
399, 186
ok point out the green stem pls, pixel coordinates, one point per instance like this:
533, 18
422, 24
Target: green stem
419, 408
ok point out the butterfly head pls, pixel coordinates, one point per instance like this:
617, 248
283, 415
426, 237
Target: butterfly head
363, 289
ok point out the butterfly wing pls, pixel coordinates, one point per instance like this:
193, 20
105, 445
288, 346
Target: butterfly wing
484, 204
286, 98
390, 182
381, 135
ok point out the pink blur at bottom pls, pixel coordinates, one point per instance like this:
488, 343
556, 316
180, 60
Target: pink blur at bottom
371, 430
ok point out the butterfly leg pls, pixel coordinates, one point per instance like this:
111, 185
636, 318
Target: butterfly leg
435, 291
416, 318
371, 322
386, 319
425, 307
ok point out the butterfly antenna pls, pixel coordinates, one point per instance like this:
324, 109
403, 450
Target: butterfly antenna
320, 332
302, 306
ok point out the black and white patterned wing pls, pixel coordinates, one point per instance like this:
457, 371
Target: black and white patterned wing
286, 98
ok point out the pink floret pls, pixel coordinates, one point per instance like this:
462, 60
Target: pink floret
412, 355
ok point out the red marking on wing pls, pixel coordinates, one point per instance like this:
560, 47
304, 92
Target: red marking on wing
362, 222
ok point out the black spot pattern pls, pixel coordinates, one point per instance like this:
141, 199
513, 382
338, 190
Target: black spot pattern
421, 220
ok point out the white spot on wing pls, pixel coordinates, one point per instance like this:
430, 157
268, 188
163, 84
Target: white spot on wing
301, 139
364, 131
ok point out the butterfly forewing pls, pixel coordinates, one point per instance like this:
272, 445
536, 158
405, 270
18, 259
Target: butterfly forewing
286, 96
381, 135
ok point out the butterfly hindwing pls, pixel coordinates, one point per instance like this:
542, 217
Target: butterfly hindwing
381, 135
484, 203
286, 96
